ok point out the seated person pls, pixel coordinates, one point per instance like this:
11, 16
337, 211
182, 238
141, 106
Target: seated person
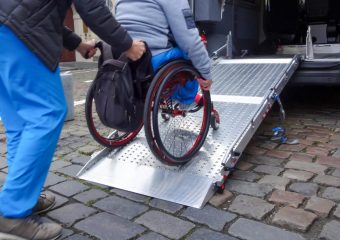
169, 30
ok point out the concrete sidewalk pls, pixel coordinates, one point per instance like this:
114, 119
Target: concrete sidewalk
281, 192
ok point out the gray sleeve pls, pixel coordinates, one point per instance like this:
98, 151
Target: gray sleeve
186, 34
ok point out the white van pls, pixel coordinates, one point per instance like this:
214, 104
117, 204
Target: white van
277, 28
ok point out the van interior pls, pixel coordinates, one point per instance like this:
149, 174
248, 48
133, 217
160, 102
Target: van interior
276, 27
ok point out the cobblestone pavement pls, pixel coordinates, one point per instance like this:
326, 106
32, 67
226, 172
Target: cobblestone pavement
281, 192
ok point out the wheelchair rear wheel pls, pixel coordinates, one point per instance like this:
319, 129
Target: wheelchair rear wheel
174, 131
104, 135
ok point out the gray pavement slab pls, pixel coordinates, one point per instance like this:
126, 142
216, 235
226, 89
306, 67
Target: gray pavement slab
90, 196
121, 207
71, 170
165, 224
152, 236
71, 213
253, 230
53, 179
106, 226
165, 205
207, 234
331, 231
210, 216
251, 207
254, 189
69, 188
307, 189
332, 193
130, 195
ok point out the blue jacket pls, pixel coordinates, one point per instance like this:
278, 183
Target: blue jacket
164, 24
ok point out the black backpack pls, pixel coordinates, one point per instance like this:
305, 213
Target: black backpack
121, 88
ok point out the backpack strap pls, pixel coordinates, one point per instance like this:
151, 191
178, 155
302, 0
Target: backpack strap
106, 50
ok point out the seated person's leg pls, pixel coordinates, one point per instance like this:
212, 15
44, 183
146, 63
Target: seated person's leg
185, 94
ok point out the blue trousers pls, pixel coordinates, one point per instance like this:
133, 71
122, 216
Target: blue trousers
185, 94
32, 108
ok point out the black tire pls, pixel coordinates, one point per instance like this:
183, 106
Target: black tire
153, 115
105, 136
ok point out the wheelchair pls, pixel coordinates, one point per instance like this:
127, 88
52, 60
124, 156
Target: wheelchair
175, 132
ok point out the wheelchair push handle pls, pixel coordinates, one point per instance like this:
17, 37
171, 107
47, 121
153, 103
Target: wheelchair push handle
97, 45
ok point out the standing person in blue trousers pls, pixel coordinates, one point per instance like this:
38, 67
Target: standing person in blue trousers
32, 102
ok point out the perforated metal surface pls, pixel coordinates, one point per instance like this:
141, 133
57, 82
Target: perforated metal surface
252, 82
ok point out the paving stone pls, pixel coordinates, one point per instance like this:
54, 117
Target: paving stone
2, 178
252, 150
264, 160
78, 237
71, 170
207, 234
82, 160
214, 218
269, 145
331, 231
59, 200
336, 172
253, 230
296, 219
59, 164
278, 154
109, 227
244, 166
165, 224
298, 175
271, 170
275, 181
152, 236
220, 198
318, 151
327, 180
165, 205
63, 150
69, 188
305, 166
320, 206
307, 189
337, 212
245, 175
287, 198
130, 195
121, 207
254, 189
87, 150
53, 179
71, 213
3, 162
329, 161
251, 207
301, 157
66, 233
77, 145
292, 148
90, 196
332, 193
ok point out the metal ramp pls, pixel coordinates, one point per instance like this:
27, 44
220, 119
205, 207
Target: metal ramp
243, 93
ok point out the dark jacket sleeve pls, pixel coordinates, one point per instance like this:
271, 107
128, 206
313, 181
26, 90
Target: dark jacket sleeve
70, 40
100, 20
